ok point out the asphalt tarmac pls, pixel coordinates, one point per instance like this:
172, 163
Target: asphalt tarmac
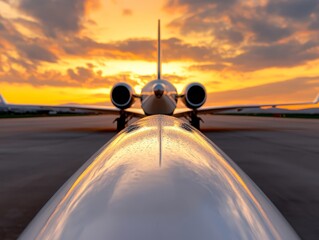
37, 155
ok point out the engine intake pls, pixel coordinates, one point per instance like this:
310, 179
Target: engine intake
194, 95
122, 95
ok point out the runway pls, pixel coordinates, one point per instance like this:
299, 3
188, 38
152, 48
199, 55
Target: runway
37, 155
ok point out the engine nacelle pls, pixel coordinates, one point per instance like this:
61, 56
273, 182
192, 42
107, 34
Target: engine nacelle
194, 95
122, 95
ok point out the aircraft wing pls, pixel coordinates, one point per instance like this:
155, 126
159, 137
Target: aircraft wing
94, 108
136, 112
215, 109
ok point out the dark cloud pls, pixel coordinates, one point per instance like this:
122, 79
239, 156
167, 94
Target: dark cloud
57, 79
278, 55
197, 5
232, 23
176, 49
256, 36
146, 49
48, 78
229, 35
21, 62
82, 73
291, 89
266, 31
35, 52
260, 35
30, 51
293, 9
314, 24
192, 23
253, 57
44, 49
90, 77
200, 16
56, 16
128, 49
2, 27
139, 49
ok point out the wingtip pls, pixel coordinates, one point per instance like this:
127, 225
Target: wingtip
316, 99
2, 101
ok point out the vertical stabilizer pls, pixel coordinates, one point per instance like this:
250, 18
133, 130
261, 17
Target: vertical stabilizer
159, 52
2, 101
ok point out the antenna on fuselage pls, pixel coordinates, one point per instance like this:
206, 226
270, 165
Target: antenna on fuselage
159, 53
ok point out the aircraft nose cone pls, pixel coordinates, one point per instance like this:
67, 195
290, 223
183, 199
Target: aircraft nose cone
159, 90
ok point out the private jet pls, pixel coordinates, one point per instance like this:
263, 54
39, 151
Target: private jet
159, 178
158, 96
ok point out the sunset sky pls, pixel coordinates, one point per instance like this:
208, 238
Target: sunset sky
73, 51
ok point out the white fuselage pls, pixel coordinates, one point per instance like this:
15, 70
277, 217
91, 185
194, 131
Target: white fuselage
159, 179
159, 97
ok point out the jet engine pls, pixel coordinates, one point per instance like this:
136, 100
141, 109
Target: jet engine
122, 95
194, 95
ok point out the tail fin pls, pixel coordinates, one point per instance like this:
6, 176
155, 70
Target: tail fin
316, 99
2, 101
159, 52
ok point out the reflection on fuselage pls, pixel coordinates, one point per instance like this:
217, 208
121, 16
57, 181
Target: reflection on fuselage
159, 179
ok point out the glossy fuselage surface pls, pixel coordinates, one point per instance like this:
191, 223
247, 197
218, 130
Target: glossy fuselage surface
159, 179
163, 103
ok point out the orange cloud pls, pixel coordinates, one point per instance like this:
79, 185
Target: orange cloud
91, 6
127, 12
